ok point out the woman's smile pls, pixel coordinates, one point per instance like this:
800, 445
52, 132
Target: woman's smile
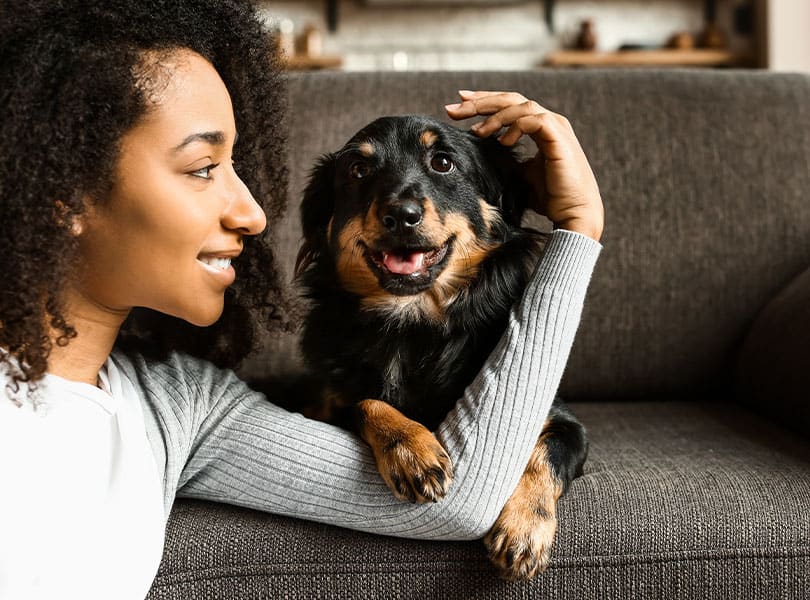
218, 264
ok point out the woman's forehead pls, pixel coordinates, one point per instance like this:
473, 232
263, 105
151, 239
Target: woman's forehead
188, 96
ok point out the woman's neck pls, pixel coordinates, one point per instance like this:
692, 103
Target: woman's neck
96, 330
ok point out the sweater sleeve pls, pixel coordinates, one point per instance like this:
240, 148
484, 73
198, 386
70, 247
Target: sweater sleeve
224, 442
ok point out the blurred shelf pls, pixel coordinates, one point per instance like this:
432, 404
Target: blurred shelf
697, 57
309, 63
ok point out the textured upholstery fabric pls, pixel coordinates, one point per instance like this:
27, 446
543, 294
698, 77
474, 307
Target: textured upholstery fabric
678, 500
705, 176
774, 366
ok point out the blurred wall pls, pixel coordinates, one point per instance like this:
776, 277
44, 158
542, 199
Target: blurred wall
787, 35
509, 35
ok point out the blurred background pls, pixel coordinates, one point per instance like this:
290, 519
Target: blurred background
358, 35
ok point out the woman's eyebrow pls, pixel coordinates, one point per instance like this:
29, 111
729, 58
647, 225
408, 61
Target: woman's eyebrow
215, 138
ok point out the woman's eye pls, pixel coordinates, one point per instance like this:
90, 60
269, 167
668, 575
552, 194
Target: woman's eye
205, 172
441, 163
359, 170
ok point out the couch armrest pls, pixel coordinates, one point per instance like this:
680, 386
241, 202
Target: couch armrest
773, 370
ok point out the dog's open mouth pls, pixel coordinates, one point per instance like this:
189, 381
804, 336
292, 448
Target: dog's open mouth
406, 262
404, 271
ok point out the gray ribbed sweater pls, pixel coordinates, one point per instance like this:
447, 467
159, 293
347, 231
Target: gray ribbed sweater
216, 439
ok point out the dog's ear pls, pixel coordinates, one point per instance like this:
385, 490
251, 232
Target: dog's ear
316, 212
514, 193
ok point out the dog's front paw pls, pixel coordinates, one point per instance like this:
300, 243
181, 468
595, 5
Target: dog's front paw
520, 541
415, 466
409, 457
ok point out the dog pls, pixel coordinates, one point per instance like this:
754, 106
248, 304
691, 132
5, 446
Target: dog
413, 255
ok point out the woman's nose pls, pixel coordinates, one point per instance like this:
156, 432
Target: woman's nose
243, 213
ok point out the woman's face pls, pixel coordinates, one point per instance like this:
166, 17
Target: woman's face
178, 212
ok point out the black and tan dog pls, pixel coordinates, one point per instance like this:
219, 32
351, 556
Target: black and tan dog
413, 256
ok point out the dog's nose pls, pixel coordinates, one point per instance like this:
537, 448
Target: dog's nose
402, 215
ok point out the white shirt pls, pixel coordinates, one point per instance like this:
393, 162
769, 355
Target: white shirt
81, 502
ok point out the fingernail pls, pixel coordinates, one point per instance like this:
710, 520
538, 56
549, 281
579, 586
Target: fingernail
477, 126
452, 106
464, 92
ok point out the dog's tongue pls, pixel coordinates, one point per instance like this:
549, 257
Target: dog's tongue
404, 265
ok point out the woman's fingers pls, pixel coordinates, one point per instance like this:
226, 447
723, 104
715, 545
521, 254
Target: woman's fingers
519, 115
483, 103
506, 116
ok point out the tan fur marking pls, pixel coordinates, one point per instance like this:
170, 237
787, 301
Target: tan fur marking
428, 138
409, 457
432, 226
353, 271
366, 149
373, 229
325, 411
520, 541
490, 214
468, 254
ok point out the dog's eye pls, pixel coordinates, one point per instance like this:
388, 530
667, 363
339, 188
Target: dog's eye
359, 169
441, 163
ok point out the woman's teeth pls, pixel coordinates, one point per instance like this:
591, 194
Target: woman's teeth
217, 263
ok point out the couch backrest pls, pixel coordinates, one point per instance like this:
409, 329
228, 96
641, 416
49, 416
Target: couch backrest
705, 177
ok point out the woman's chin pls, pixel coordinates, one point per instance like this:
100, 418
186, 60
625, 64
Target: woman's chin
204, 316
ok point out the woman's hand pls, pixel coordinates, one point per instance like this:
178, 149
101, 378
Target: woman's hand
566, 187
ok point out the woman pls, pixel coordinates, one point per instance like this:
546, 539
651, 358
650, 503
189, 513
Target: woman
134, 261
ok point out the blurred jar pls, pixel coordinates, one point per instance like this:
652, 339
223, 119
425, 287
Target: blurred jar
285, 38
586, 40
312, 41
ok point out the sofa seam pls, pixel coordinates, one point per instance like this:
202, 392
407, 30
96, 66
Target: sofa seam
561, 564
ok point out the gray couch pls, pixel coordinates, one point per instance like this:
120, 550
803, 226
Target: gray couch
698, 481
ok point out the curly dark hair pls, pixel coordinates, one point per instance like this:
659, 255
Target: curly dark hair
69, 90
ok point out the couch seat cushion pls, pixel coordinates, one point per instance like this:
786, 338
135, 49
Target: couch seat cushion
678, 500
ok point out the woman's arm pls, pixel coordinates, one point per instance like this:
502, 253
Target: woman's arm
227, 443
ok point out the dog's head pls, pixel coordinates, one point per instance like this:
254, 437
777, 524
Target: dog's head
408, 210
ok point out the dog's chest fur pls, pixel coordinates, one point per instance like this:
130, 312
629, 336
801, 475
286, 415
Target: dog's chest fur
423, 373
